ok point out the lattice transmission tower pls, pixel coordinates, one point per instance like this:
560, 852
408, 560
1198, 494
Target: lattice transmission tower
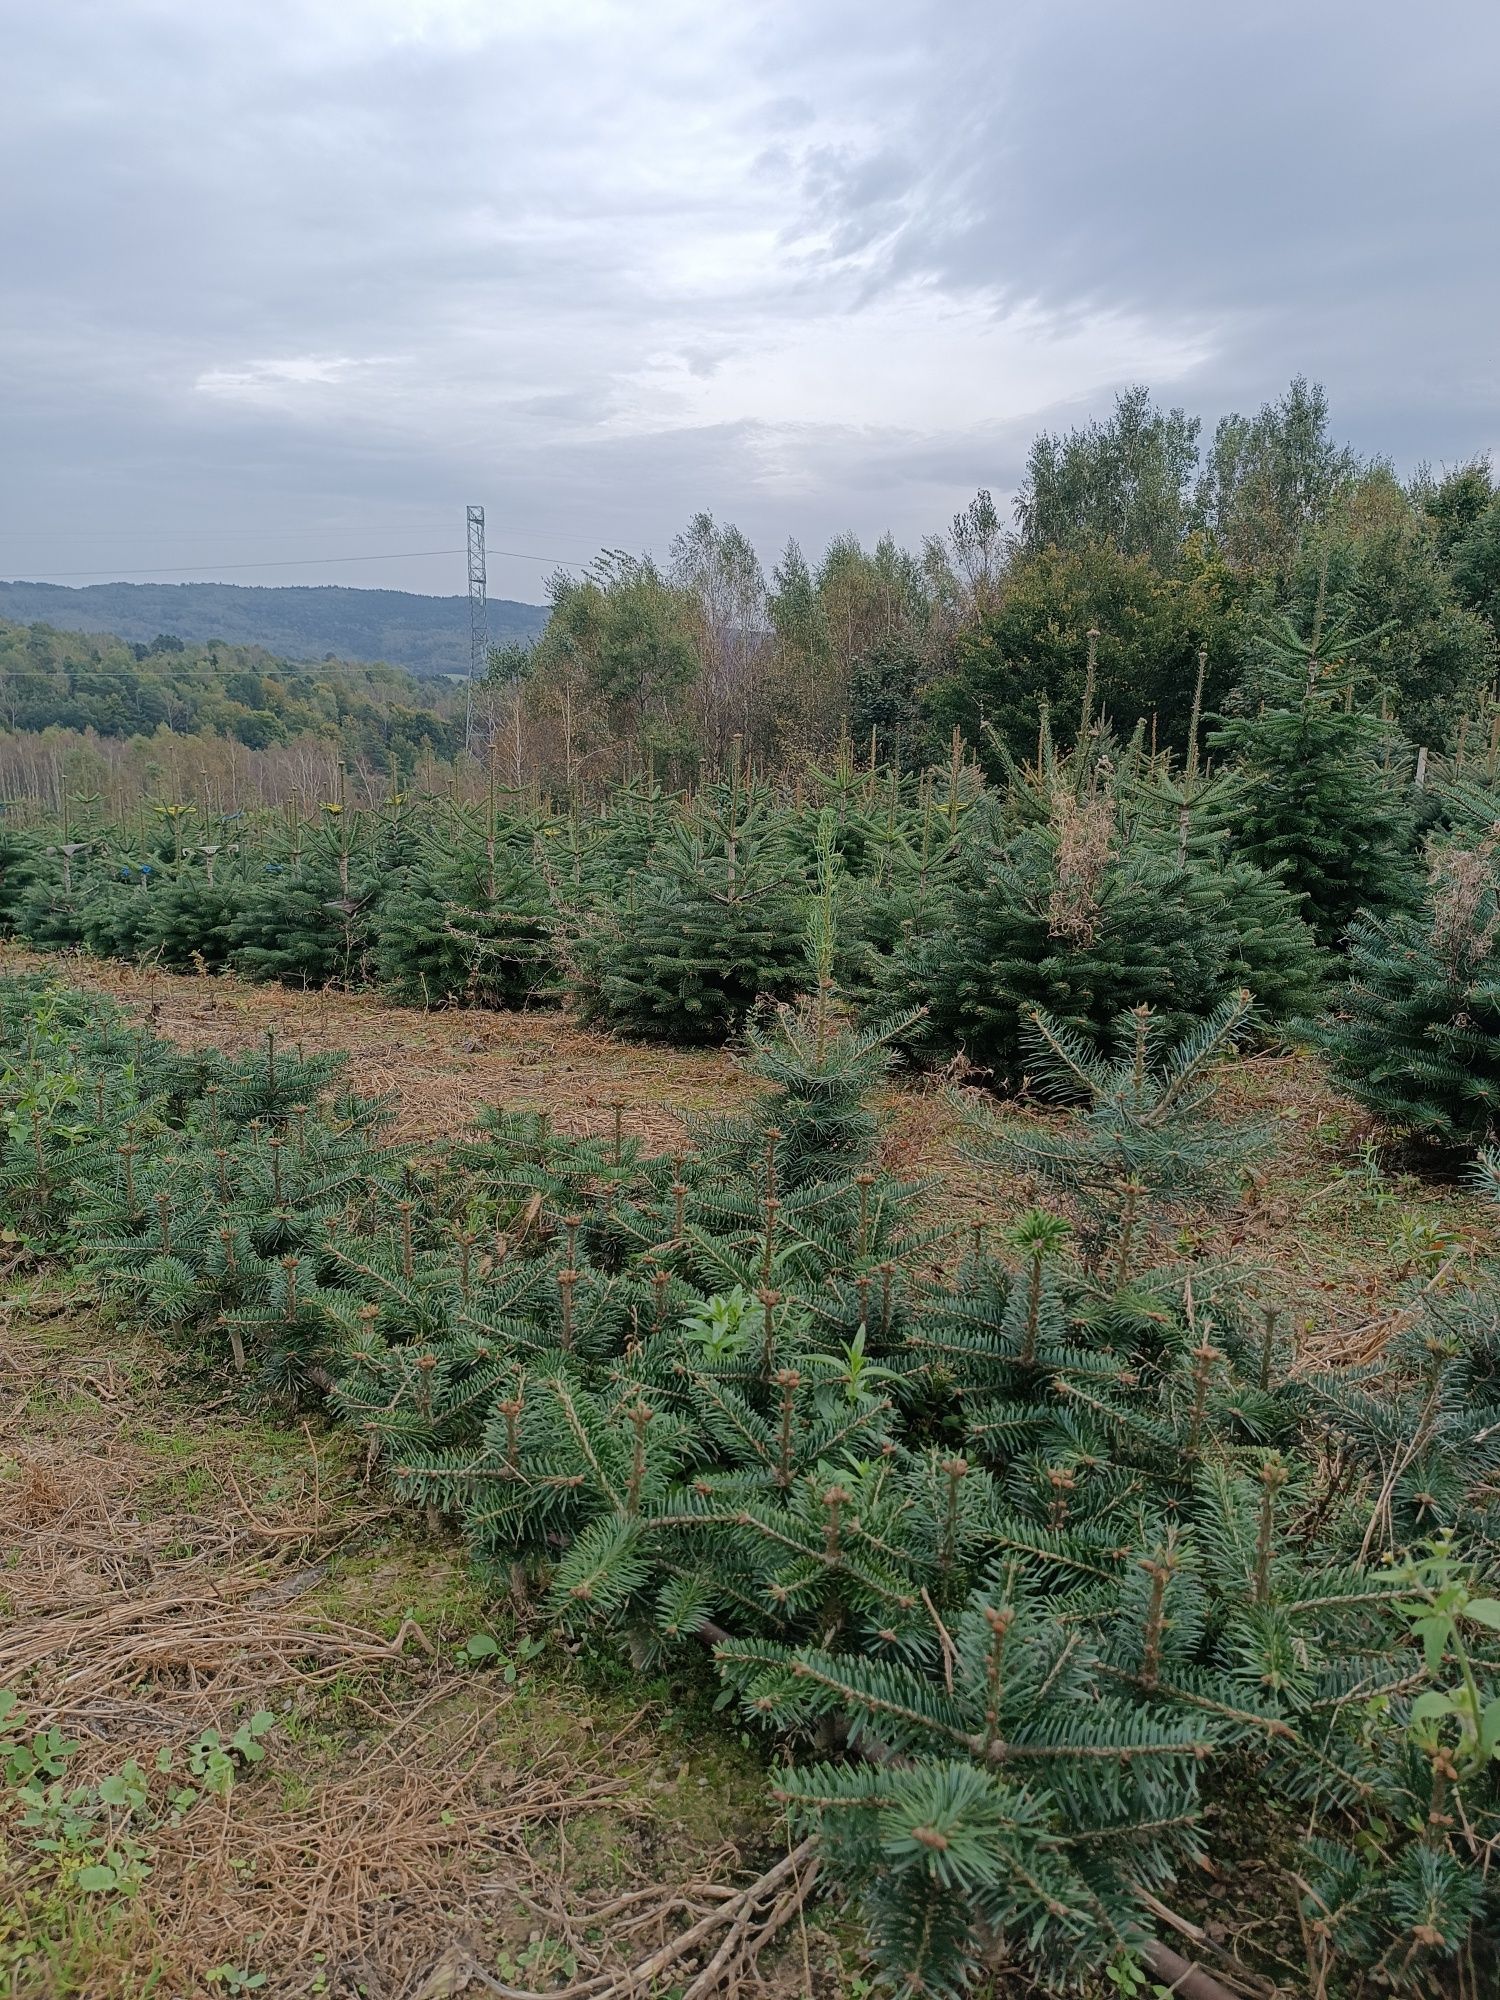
479, 618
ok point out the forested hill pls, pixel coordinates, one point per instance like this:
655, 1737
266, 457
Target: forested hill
86, 681
426, 635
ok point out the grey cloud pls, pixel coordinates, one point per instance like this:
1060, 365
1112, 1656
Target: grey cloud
1317, 181
576, 261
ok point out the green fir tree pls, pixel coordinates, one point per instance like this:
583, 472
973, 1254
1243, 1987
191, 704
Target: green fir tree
1319, 800
468, 920
1415, 1034
716, 923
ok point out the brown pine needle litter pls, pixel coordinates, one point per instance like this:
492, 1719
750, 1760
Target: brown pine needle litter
715, 1954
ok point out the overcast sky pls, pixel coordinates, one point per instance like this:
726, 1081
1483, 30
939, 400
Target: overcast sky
299, 278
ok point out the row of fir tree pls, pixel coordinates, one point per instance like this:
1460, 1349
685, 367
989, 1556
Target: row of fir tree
1297, 847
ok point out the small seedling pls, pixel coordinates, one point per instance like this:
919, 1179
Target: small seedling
25, 1759
236, 1979
479, 1650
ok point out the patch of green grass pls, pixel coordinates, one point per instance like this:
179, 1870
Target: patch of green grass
406, 1575
294, 1790
56, 1943
184, 1442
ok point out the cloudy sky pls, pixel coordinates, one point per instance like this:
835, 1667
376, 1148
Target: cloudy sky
296, 279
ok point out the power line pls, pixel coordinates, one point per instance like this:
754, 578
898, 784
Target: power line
292, 562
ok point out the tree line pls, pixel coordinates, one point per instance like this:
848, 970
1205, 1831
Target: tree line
1138, 544
1162, 542
118, 690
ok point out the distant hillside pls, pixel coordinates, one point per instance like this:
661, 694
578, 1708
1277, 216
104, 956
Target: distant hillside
426, 635
120, 689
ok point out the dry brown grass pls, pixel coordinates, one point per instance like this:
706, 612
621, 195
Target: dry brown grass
439, 1068
412, 1818
350, 1892
1328, 1228
1335, 1223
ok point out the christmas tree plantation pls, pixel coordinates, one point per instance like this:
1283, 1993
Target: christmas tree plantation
1019, 1551
1074, 897
1080, 887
